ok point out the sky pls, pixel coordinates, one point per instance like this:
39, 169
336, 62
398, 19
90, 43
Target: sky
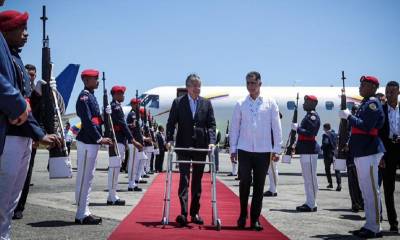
145, 44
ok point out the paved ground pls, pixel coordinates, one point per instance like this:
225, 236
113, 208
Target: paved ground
50, 209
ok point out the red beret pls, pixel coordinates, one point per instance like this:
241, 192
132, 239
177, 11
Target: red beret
370, 79
135, 101
141, 111
90, 73
10, 20
311, 97
116, 89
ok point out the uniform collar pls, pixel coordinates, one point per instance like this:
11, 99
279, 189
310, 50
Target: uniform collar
91, 91
258, 99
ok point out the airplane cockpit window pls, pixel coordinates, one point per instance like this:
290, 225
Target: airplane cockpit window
329, 105
350, 105
291, 105
150, 100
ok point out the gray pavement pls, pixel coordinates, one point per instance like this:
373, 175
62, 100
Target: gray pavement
50, 208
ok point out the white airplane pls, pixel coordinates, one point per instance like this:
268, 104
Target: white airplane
159, 100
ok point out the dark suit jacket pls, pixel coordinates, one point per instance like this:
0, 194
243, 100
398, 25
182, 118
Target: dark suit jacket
195, 132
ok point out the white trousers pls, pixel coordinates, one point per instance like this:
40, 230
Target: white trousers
234, 168
86, 159
273, 176
14, 163
367, 173
113, 173
309, 170
133, 163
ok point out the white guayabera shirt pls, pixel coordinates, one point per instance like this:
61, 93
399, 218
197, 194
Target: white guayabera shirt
253, 123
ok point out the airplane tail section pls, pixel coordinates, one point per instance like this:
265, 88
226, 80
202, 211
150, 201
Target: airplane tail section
66, 81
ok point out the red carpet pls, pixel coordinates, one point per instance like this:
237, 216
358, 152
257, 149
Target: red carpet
144, 222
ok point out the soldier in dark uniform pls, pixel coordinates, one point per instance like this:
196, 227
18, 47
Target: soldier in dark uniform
89, 140
308, 149
367, 149
15, 157
123, 136
136, 154
328, 147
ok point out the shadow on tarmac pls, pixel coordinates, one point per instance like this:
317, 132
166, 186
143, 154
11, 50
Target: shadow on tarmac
51, 223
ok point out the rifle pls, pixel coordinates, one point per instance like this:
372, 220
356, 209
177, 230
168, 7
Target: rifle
342, 150
292, 136
146, 130
108, 126
50, 113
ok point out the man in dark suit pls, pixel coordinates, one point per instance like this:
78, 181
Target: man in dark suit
194, 118
389, 135
161, 146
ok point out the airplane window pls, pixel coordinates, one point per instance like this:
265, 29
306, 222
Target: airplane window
291, 105
150, 101
350, 105
329, 105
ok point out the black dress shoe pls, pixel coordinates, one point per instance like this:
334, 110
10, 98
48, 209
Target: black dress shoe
394, 229
270, 194
135, 189
118, 202
197, 219
181, 220
329, 186
366, 233
18, 215
238, 178
305, 208
141, 181
256, 226
339, 188
89, 220
355, 209
241, 223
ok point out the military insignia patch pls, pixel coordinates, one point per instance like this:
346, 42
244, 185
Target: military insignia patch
84, 98
372, 106
313, 118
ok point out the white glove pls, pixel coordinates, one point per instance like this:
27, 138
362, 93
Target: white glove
40, 83
108, 109
53, 84
295, 126
344, 114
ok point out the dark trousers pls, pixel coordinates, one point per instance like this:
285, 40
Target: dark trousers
183, 191
68, 147
354, 188
256, 164
328, 161
24, 194
152, 162
160, 161
389, 177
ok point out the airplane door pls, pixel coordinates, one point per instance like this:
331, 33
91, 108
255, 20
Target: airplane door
180, 91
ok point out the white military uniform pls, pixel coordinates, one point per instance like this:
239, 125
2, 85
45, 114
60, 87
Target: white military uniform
13, 169
309, 170
113, 173
273, 176
86, 159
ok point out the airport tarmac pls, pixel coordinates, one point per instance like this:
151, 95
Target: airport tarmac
50, 208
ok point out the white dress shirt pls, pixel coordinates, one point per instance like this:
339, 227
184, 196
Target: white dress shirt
394, 121
252, 123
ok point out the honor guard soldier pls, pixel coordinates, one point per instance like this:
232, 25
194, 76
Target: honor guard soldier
367, 149
308, 149
89, 140
14, 158
123, 136
136, 154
